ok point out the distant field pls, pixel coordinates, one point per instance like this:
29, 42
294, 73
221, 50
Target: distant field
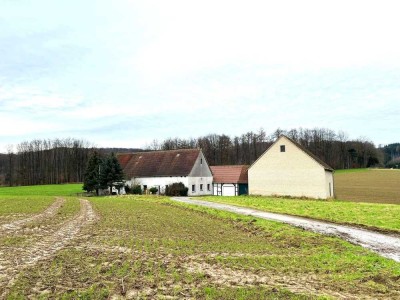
368, 185
43, 190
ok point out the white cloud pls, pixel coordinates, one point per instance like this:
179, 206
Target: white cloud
186, 67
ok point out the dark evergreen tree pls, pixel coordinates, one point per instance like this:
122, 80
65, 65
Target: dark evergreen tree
91, 180
111, 173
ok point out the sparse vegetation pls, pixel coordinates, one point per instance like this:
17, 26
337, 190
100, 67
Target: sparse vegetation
139, 248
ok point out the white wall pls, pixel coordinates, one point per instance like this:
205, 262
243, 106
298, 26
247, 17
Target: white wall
161, 182
197, 181
158, 182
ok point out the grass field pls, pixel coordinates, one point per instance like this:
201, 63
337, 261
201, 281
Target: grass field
368, 185
380, 216
43, 190
152, 248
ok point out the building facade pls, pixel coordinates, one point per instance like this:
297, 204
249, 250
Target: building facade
230, 180
288, 169
162, 168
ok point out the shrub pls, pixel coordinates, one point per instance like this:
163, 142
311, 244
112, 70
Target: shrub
176, 189
128, 189
136, 190
153, 190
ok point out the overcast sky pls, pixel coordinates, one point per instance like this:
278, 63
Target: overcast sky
122, 73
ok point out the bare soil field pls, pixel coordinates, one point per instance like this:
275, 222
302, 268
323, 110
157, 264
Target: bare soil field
368, 185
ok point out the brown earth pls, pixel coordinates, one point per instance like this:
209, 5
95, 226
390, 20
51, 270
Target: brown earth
11, 263
376, 186
18, 224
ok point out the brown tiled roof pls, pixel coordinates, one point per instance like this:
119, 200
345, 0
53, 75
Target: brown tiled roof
230, 174
124, 159
158, 163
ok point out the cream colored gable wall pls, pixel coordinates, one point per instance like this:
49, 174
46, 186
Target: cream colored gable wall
330, 193
292, 172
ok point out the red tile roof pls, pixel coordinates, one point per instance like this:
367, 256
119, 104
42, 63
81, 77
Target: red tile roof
159, 163
230, 174
124, 159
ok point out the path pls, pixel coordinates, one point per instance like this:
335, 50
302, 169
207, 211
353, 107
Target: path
47, 213
46, 247
385, 245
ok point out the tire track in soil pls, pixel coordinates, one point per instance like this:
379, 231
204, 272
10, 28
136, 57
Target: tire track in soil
47, 247
223, 276
18, 224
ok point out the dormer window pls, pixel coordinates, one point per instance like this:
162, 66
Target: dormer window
283, 148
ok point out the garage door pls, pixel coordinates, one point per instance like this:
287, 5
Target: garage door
228, 190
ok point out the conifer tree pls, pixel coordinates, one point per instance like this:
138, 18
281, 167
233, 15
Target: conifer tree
91, 179
110, 172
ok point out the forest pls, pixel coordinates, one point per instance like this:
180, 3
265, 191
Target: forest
65, 160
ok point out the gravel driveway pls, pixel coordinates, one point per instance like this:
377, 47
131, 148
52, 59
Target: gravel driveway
384, 244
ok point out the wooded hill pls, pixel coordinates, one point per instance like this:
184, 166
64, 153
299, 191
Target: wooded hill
65, 160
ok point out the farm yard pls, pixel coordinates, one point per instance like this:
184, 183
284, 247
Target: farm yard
146, 247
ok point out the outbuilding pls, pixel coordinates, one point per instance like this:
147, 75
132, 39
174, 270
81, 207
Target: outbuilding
288, 169
230, 180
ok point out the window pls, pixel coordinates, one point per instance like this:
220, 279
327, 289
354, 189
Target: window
193, 188
201, 161
201, 187
283, 148
208, 187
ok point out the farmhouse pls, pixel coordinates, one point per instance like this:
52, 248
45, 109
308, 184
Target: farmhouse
288, 169
162, 168
230, 180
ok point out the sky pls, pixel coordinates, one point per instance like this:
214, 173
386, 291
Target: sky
123, 73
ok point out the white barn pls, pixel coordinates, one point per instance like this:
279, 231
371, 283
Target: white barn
288, 169
162, 168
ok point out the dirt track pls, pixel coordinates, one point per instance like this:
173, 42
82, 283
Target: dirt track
383, 244
49, 212
12, 264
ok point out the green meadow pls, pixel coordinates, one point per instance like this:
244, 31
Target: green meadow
383, 217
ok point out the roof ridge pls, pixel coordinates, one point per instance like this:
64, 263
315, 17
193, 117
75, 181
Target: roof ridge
152, 151
229, 166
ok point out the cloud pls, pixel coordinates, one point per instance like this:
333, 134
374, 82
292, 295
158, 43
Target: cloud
128, 72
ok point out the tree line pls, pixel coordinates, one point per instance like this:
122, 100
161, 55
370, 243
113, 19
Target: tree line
45, 162
65, 160
335, 148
